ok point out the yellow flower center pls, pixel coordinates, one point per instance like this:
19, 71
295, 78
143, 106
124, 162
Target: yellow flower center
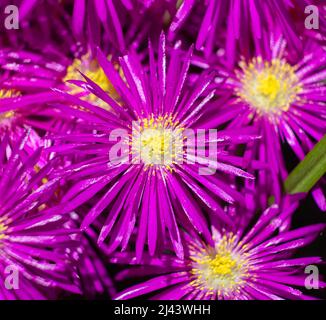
158, 141
93, 71
219, 269
6, 94
269, 87
3, 228
7, 116
222, 265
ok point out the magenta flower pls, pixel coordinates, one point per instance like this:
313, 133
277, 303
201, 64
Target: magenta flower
244, 25
33, 243
284, 99
26, 82
25, 79
150, 196
239, 265
31, 64
120, 146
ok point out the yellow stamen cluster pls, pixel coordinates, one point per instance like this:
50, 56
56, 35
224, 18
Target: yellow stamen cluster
157, 141
93, 71
37, 169
219, 270
269, 87
6, 117
7, 94
3, 228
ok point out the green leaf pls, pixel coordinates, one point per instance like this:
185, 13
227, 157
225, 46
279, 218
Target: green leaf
309, 171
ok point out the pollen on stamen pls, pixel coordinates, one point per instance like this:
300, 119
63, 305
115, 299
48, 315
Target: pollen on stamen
157, 141
268, 87
221, 269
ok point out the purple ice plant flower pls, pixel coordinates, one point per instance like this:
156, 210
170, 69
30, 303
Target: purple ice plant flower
88, 65
26, 82
19, 112
247, 23
243, 264
34, 64
150, 197
33, 74
147, 154
284, 99
15, 121
30, 65
33, 243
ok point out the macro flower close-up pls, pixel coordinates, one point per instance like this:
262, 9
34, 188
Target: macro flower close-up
235, 265
162, 150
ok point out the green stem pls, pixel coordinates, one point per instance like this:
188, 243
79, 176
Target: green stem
309, 171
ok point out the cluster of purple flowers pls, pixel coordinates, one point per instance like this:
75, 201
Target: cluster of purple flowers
144, 146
